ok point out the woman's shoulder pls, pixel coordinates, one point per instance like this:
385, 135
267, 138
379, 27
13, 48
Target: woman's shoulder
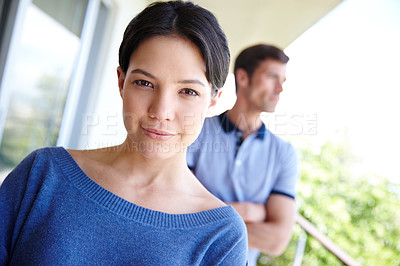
226, 213
40, 165
41, 156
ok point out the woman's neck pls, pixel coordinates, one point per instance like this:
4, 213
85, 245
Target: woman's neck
157, 184
137, 169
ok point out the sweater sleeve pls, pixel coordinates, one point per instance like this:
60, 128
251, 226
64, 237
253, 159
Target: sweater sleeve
230, 248
237, 255
13, 195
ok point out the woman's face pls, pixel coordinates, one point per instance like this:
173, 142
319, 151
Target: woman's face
165, 96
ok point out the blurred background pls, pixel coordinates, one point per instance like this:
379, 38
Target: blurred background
58, 87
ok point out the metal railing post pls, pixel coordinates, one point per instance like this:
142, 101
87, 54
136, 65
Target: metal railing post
325, 241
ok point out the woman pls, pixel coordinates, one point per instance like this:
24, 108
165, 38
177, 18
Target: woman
136, 203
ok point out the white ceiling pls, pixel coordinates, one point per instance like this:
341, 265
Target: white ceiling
277, 22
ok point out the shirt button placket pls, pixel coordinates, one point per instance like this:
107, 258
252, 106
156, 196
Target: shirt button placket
237, 173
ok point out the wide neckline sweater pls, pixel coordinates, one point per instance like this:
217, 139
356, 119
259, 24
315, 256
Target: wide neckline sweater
52, 212
130, 210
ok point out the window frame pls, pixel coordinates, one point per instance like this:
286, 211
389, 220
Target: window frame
81, 89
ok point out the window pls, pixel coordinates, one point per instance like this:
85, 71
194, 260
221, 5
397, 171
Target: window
42, 79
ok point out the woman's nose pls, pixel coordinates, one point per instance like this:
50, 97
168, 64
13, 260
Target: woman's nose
162, 106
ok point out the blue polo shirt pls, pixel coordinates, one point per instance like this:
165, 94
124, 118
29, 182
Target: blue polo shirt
234, 169
237, 170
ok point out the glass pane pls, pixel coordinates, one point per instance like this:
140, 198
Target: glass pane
39, 83
69, 13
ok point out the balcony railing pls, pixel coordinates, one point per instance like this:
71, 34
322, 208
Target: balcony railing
324, 240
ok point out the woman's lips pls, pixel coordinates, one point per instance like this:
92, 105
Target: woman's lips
158, 134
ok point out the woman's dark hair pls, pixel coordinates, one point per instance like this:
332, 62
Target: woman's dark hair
251, 57
186, 20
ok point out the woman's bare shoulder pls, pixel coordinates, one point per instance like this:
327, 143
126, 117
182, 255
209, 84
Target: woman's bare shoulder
208, 200
94, 163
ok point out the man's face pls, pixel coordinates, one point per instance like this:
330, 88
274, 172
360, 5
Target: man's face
265, 85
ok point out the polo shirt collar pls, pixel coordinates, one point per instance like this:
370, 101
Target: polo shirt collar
228, 126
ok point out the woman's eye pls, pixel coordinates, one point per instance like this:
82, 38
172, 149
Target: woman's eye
143, 83
190, 92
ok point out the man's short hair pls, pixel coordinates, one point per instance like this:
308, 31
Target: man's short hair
250, 58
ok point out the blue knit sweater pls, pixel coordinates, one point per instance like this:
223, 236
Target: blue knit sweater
52, 213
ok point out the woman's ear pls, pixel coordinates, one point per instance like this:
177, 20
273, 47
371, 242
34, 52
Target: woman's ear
121, 79
215, 98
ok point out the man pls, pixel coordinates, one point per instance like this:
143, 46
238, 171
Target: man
241, 162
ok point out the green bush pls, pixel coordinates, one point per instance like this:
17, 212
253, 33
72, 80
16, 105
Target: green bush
360, 213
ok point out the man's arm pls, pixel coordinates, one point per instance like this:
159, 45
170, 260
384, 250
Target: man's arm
270, 235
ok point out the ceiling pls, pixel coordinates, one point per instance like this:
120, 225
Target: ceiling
277, 22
